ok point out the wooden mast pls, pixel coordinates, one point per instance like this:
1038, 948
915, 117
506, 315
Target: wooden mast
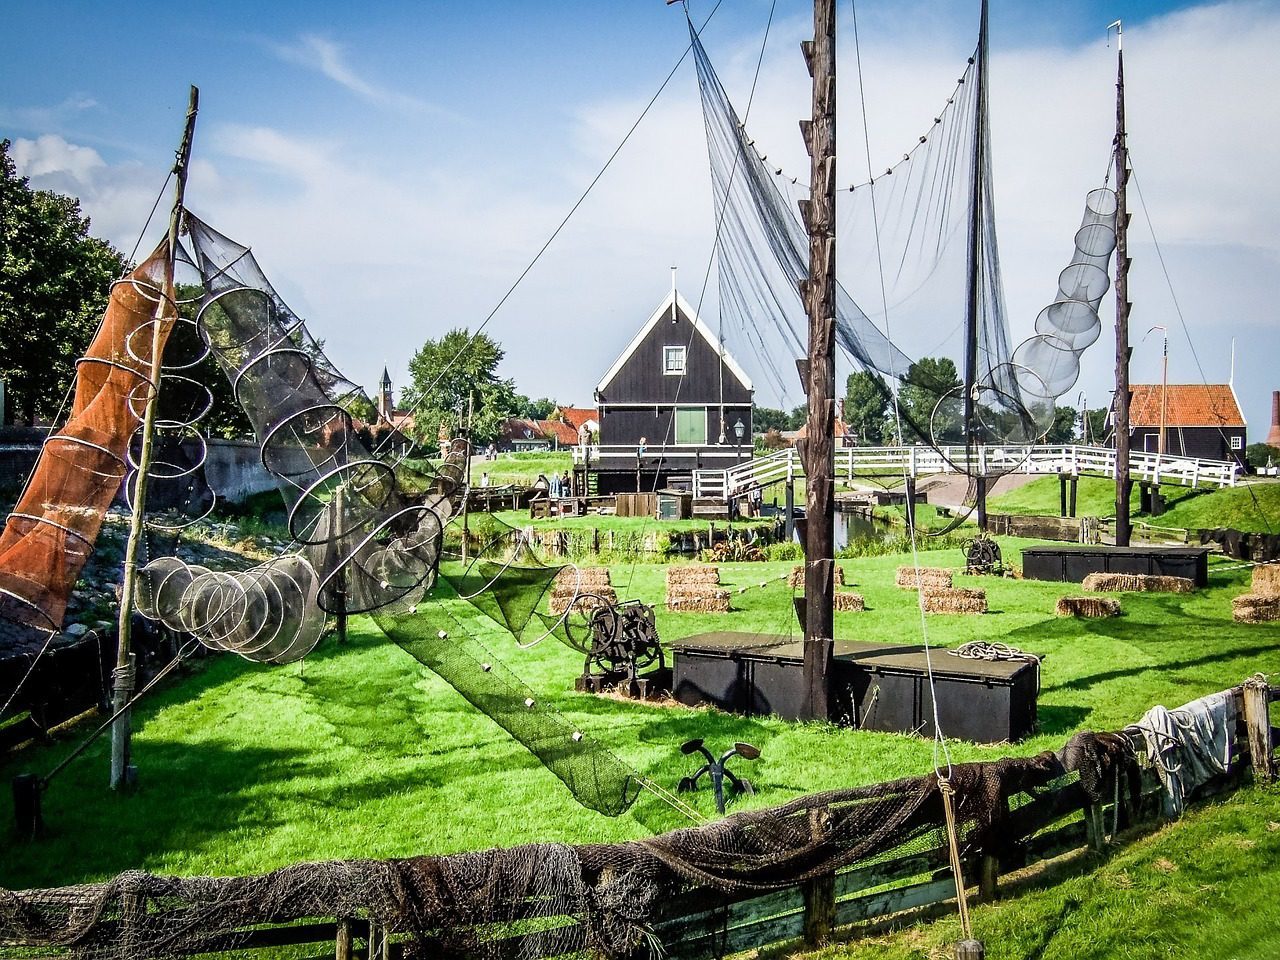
973, 308
124, 675
1124, 482
819, 295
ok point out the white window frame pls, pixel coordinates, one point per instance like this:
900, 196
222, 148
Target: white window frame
670, 352
1237, 443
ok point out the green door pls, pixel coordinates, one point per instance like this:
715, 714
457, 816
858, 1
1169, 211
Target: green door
691, 425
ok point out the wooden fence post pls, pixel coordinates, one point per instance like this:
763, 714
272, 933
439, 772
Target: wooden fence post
343, 941
989, 864
1257, 721
820, 892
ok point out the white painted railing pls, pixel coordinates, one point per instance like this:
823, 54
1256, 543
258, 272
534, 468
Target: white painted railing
1071, 459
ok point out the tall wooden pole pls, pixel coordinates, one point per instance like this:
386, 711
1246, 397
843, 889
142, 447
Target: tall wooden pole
973, 307
1124, 482
124, 676
819, 295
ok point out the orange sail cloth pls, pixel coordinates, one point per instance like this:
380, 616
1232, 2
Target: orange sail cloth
52, 530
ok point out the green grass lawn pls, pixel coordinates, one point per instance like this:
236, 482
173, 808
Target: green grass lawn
605, 522
359, 752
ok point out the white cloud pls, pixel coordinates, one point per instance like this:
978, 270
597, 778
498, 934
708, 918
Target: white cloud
326, 57
50, 154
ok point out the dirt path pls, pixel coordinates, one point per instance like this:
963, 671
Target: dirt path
950, 491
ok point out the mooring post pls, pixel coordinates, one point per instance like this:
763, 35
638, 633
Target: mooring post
980, 483
1062, 494
910, 505
27, 818
1257, 720
820, 892
1074, 482
789, 529
970, 950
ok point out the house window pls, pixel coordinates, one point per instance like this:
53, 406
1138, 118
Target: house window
1237, 443
673, 361
691, 425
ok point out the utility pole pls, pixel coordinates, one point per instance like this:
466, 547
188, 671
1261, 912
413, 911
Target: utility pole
973, 308
123, 678
818, 292
1124, 482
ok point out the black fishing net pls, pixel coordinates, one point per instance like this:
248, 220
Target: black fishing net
546, 900
925, 229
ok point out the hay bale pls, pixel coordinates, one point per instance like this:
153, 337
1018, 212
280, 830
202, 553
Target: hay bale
848, 602
587, 579
1088, 607
929, 578
1136, 583
1266, 580
796, 580
583, 601
697, 598
954, 600
1255, 608
694, 573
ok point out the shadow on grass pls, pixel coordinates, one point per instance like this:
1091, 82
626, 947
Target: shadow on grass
1058, 720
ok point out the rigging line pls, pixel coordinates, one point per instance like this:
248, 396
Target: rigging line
939, 744
26, 676
1182, 320
555, 233
706, 276
154, 207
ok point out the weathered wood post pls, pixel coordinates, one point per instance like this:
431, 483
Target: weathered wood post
1257, 721
1073, 483
343, 941
1062, 495
820, 892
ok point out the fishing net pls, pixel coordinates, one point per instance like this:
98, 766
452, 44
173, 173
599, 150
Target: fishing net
924, 228
546, 900
370, 535
54, 525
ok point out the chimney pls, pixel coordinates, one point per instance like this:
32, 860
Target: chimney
1273, 437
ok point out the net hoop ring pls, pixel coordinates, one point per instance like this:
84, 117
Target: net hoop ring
309, 497
182, 428
267, 355
131, 399
352, 557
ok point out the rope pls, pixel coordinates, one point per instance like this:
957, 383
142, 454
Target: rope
953, 849
992, 650
26, 676
666, 796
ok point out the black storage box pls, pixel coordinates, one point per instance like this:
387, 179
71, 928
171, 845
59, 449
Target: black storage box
1071, 563
874, 686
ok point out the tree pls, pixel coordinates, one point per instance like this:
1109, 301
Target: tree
54, 283
866, 404
936, 420
1063, 429
767, 418
1098, 429
1262, 455
447, 373
540, 409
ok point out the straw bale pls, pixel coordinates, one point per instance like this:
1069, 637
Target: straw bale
701, 598
1136, 583
848, 602
930, 577
954, 600
1266, 579
1088, 607
561, 598
586, 578
681, 574
1255, 608
796, 580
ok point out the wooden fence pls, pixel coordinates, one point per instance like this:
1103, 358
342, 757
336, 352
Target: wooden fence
706, 923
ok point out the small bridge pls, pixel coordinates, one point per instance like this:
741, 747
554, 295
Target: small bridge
1070, 459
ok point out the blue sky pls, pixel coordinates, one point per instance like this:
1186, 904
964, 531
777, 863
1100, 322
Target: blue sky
395, 165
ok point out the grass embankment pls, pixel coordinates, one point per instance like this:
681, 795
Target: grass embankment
359, 752
605, 522
1253, 506
1205, 886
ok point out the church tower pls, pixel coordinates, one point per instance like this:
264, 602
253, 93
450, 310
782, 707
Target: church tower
385, 404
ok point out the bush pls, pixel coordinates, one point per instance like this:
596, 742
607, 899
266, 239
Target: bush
1262, 455
787, 550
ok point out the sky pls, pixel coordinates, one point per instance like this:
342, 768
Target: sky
396, 166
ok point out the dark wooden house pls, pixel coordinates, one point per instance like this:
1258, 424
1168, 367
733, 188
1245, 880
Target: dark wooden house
673, 402
1201, 420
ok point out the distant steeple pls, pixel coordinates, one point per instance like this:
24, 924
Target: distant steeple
386, 406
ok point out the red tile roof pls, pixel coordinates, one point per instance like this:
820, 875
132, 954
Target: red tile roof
577, 416
565, 433
840, 429
1189, 405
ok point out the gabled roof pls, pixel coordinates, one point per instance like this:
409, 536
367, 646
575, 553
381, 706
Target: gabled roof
1189, 405
566, 434
577, 416
664, 311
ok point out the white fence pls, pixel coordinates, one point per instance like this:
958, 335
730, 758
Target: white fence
1071, 459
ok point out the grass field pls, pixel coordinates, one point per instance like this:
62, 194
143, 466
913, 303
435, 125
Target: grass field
358, 752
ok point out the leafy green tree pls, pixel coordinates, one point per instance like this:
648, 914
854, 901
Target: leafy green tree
54, 283
539, 409
765, 419
447, 373
1063, 429
866, 405
929, 398
1097, 420
796, 419
1262, 455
